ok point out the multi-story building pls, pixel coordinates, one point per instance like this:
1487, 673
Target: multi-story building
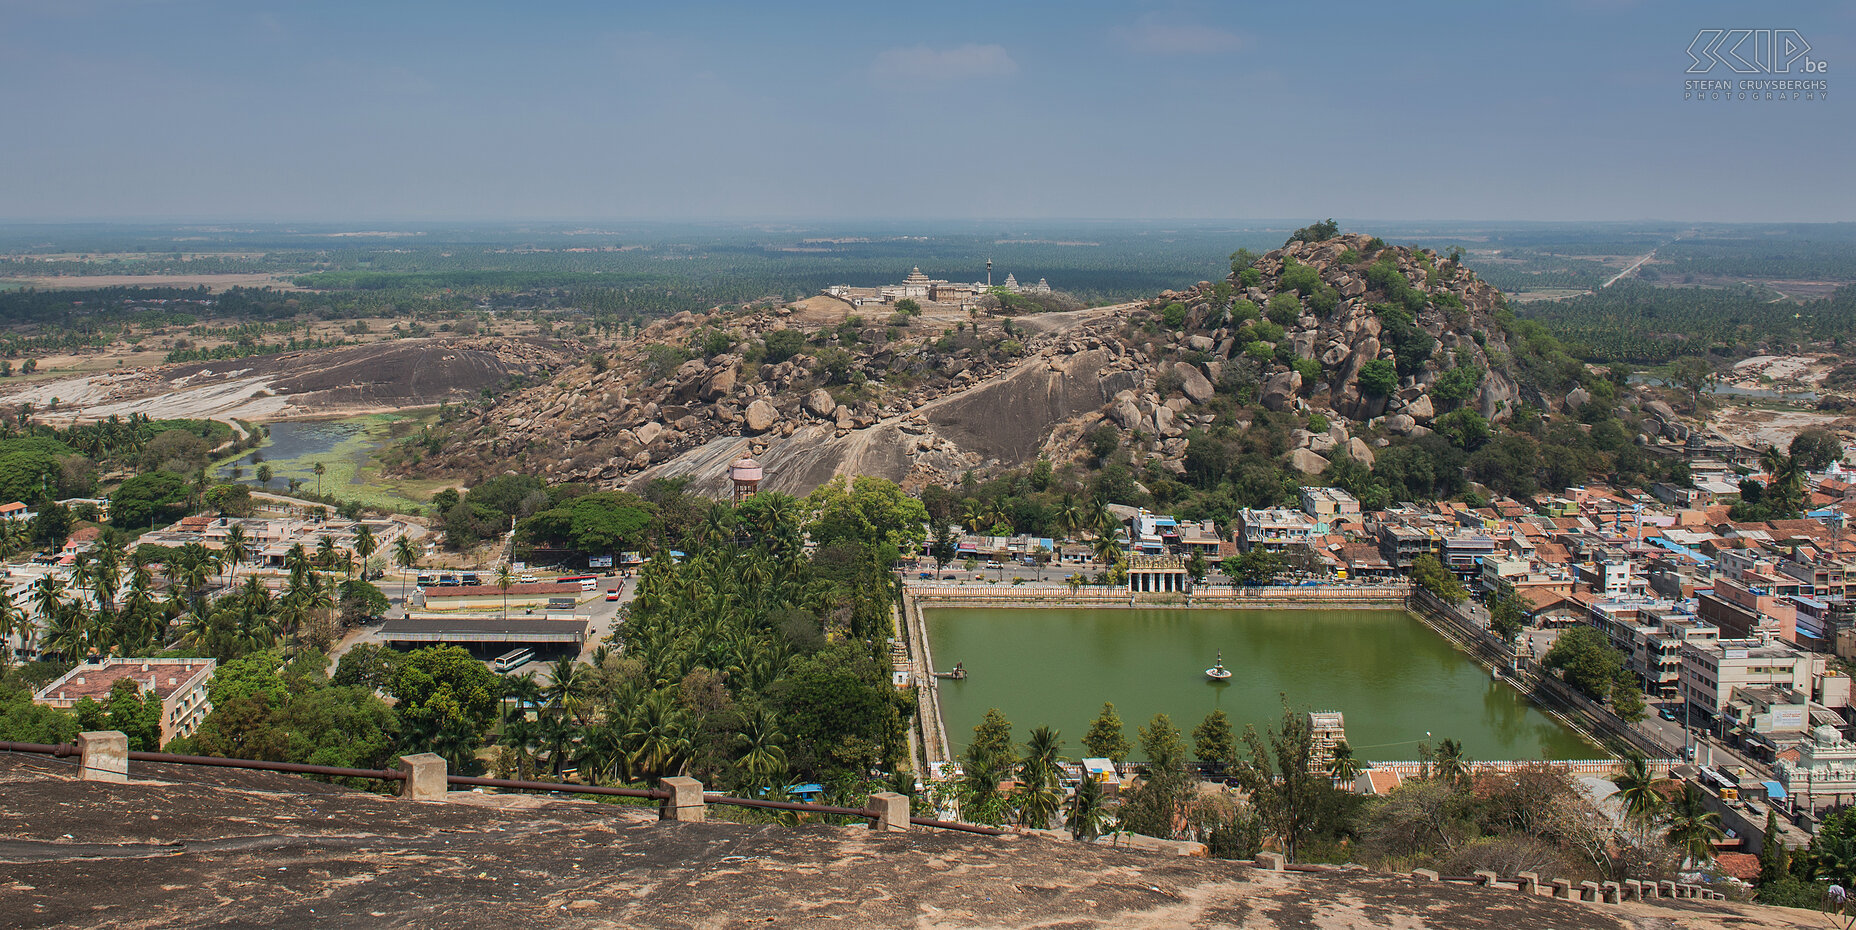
1650, 634
1612, 575
1201, 537
1825, 577
1712, 670
1401, 545
1152, 533
1519, 575
1273, 529
1743, 611
1463, 553
179, 683
1328, 505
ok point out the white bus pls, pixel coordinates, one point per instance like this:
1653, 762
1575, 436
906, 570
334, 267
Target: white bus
512, 660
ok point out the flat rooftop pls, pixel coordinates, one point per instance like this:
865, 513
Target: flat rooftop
164, 676
477, 630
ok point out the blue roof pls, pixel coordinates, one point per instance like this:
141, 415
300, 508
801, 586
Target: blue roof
1775, 791
1679, 549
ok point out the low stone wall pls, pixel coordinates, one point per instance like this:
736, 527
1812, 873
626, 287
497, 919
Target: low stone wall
1531, 885
1599, 767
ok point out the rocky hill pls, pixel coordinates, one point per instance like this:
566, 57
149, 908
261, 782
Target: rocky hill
1379, 342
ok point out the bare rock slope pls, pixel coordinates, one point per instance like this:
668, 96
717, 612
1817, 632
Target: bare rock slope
192, 847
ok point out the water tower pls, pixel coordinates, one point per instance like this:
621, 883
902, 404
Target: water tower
746, 474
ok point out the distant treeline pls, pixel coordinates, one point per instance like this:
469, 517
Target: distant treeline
1639, 323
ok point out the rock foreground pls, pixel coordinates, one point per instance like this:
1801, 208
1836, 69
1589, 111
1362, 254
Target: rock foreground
191, 847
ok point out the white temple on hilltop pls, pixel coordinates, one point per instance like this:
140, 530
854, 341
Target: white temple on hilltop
920, 287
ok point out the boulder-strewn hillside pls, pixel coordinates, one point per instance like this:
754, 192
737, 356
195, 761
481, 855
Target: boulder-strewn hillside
1380, 342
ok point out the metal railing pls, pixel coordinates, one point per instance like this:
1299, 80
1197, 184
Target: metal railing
66, 750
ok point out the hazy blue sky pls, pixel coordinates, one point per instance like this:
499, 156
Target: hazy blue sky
459, 110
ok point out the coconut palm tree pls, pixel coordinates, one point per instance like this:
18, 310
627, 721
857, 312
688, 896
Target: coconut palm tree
1107, 551
1040, 796
1071, 516
504, 578
602, 753
265, 474
763, 757
251, 626
1342, 766
69, 635
997, 515
1693, 828
1085, 815
1101, 519
12, 620
658, 733
973, 517
327, 554
1639, 791
47, 596
567, 682
319, 469
236, 549
406, 556
320, 596
1452, 764
365, 545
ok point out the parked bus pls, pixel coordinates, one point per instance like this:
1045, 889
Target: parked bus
513, 659
586, 582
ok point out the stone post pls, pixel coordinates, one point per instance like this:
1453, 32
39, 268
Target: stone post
1668, 888
1633, 890
1588, 891
1611, 893
1424, 875
685, 803
1486, 878
891, 810
425, 777
1562, 888
1269, 860
1530, 883
103, 755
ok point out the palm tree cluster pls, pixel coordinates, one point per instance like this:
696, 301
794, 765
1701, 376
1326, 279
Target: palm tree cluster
123, 604
1681, 812
707, 642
